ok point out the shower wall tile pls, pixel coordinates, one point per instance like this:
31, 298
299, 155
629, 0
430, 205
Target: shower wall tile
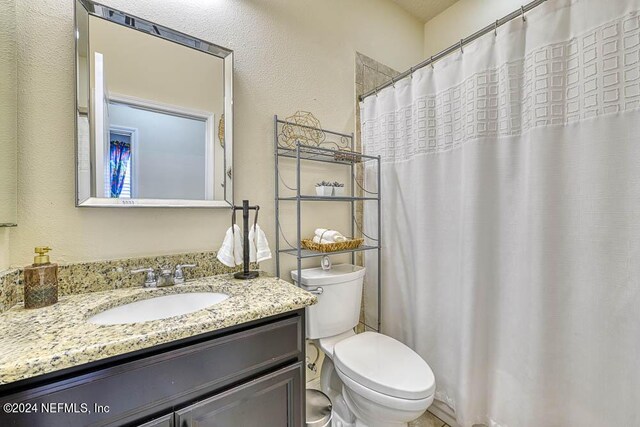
387, 71
359, 70
369, 74
366, 61
371, 78
381, 78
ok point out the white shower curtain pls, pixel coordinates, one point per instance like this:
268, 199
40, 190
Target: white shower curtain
511, 218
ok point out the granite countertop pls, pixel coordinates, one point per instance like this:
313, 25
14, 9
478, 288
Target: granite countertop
39, 341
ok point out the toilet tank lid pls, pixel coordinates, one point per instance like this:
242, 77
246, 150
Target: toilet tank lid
337, 274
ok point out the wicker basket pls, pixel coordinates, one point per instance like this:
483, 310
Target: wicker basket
332, 247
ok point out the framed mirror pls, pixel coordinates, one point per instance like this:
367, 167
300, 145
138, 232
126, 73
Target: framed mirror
154, 118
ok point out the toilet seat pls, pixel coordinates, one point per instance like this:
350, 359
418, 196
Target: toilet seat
328, 344
385, 400
374, 362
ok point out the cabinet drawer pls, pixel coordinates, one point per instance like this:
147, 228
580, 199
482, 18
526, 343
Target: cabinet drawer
166, 421
158, 383
273, 400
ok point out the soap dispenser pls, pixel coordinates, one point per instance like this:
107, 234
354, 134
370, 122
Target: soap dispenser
40, 280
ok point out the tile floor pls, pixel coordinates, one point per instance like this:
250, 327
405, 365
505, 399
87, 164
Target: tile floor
428, 420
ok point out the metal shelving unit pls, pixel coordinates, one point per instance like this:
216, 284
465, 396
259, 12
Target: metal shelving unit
343, 153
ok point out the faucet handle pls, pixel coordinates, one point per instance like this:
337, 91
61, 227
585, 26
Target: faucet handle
150, 277
178, 276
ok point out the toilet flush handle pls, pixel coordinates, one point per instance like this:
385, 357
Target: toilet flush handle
316, 291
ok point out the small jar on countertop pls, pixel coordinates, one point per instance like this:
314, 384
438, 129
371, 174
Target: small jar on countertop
40, 280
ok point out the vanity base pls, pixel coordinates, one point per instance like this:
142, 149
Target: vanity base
250, 374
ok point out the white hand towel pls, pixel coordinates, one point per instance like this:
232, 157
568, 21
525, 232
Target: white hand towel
316, 239
330, 235
237, 245
320, 231
228, 252
252, 244
258, 245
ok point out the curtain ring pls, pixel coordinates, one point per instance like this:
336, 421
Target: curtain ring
410, 72
393, 82
522, 12
461, 41
376, 91
431, 63
495, 28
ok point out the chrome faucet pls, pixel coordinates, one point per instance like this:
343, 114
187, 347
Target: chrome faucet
178, 275
150, 277
164, 277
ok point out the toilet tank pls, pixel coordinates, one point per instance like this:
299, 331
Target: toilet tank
338, 307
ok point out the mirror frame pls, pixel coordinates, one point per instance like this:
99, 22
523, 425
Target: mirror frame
105, 12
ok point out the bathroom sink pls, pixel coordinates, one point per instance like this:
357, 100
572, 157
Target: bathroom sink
158, 308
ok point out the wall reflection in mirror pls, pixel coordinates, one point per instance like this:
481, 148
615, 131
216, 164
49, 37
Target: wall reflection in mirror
154, 114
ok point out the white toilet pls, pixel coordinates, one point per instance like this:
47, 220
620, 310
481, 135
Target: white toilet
372, 380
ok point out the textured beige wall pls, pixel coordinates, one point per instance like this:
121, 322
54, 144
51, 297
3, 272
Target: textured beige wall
462, 19
289, 55
8, 117
4, 248
8, 123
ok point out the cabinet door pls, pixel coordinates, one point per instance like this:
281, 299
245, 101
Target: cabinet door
165, 421
274, 400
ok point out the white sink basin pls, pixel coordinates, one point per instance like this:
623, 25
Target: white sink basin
158, 308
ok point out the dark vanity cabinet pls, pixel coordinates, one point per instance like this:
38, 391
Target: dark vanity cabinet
268, 400
251, 375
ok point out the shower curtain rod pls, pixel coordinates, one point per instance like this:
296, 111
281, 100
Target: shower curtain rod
491, 27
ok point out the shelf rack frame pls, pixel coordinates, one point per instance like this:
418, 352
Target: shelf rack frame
347, 156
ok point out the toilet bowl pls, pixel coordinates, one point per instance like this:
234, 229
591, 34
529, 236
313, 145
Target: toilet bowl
372, 380
385, 383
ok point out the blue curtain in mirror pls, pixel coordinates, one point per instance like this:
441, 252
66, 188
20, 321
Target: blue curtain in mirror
120, 153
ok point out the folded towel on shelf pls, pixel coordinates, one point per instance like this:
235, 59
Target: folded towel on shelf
317, 239
331, 236
230, 253
258, 245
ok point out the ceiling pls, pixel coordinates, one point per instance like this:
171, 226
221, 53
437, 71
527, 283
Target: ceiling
424, 9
